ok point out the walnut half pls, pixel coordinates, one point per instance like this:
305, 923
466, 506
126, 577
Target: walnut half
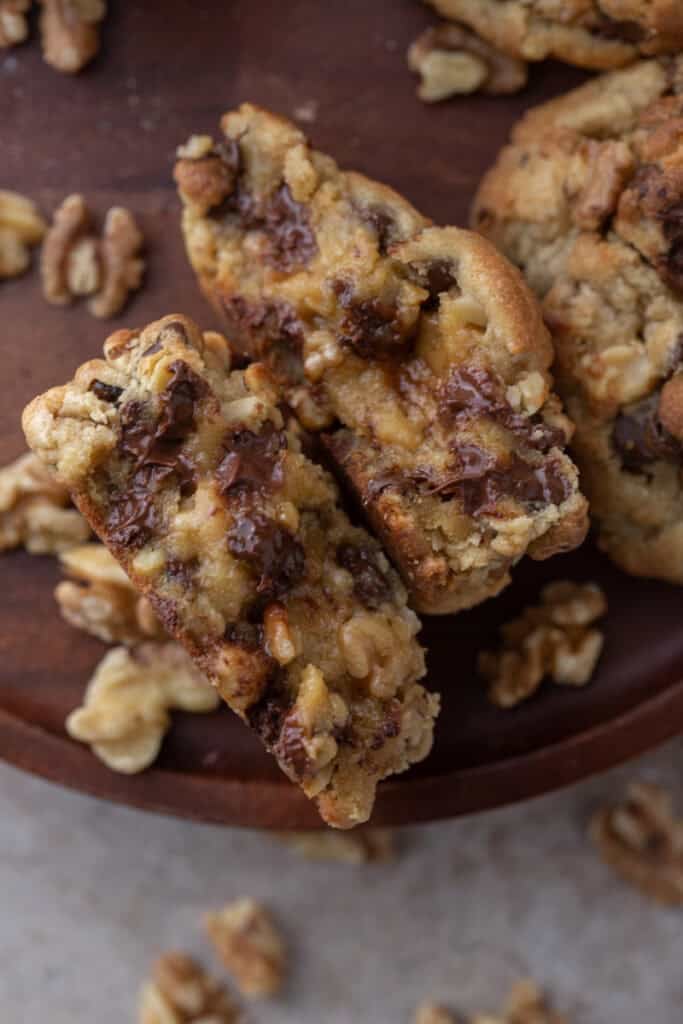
552, 639
453, 61
21, 227
643, 841
70, 32
34, 510
181, 992
248, 944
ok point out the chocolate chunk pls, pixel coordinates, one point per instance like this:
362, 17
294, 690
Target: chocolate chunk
370, 585
106, 392
472, 392
267, 715
265, 327
135, 515
287, 225
370, 327
252, 462
273, 552
437, 277
178, 401
382, 223
248, 635
640, 438
624, 30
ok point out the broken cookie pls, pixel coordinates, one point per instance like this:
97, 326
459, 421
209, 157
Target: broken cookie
417, 352
197, 482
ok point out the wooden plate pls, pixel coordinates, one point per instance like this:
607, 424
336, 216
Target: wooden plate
166, 71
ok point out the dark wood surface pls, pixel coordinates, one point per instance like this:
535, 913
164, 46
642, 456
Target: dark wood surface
166, 71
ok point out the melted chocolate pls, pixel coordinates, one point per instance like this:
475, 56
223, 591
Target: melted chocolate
370, 585
106, 392
370, 327
287, 225
252, 462
640, 438
625, 30
273, 552
248, 635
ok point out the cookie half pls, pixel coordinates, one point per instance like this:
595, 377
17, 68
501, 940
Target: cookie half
417, 353
195, 479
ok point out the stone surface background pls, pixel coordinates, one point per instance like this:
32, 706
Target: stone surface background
90, 893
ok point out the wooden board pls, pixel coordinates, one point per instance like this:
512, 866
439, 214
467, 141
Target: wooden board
166, 71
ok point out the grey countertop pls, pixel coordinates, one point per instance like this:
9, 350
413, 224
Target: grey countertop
90, 893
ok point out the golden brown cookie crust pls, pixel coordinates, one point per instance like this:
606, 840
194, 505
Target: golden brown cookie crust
597, 34
417, 352
586, 199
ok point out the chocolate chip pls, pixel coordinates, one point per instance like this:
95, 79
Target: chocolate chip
262, 327
382, 223
178, 400
370, 327
273, 552
106, 392
625, 30
134, 515
252, 462
640, 438
287, 225
370, 585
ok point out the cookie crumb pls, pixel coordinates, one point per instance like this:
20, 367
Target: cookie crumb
76, 263
34, 511
21, 227
125, 713
642, 840
453, 61
101, 600
550, 639
362, 846
180, 991
306, 111
70, 32
247, 942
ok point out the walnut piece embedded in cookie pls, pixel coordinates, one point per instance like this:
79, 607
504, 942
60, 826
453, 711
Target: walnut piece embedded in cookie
21, 226
34, 512
125, 713
451, 61
249, 945
181, 992
101, 600
70, 32
587, 199
556, 639
417, 352
598, 34
196, 480
362, 846
642, 840
13, 23
76, 262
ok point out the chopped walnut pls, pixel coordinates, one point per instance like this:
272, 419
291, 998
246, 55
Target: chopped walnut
452, 61
21, 226
643, 841
181, 992
361, 846
75, 262
524, 1005
34, 512
102, 601
125, 714
430, 1013
70, 32
551, 639
13, 23
248, 944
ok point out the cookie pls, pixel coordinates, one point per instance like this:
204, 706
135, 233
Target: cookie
598, 34
196, 481
416, 354
587, 200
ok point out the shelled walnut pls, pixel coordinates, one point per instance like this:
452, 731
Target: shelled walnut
76, 263
248, 944
453, 61
552, 639
125, 714
13, 23
21, 226
70, 32
181, 992
34, 510
643, 841
101, 600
